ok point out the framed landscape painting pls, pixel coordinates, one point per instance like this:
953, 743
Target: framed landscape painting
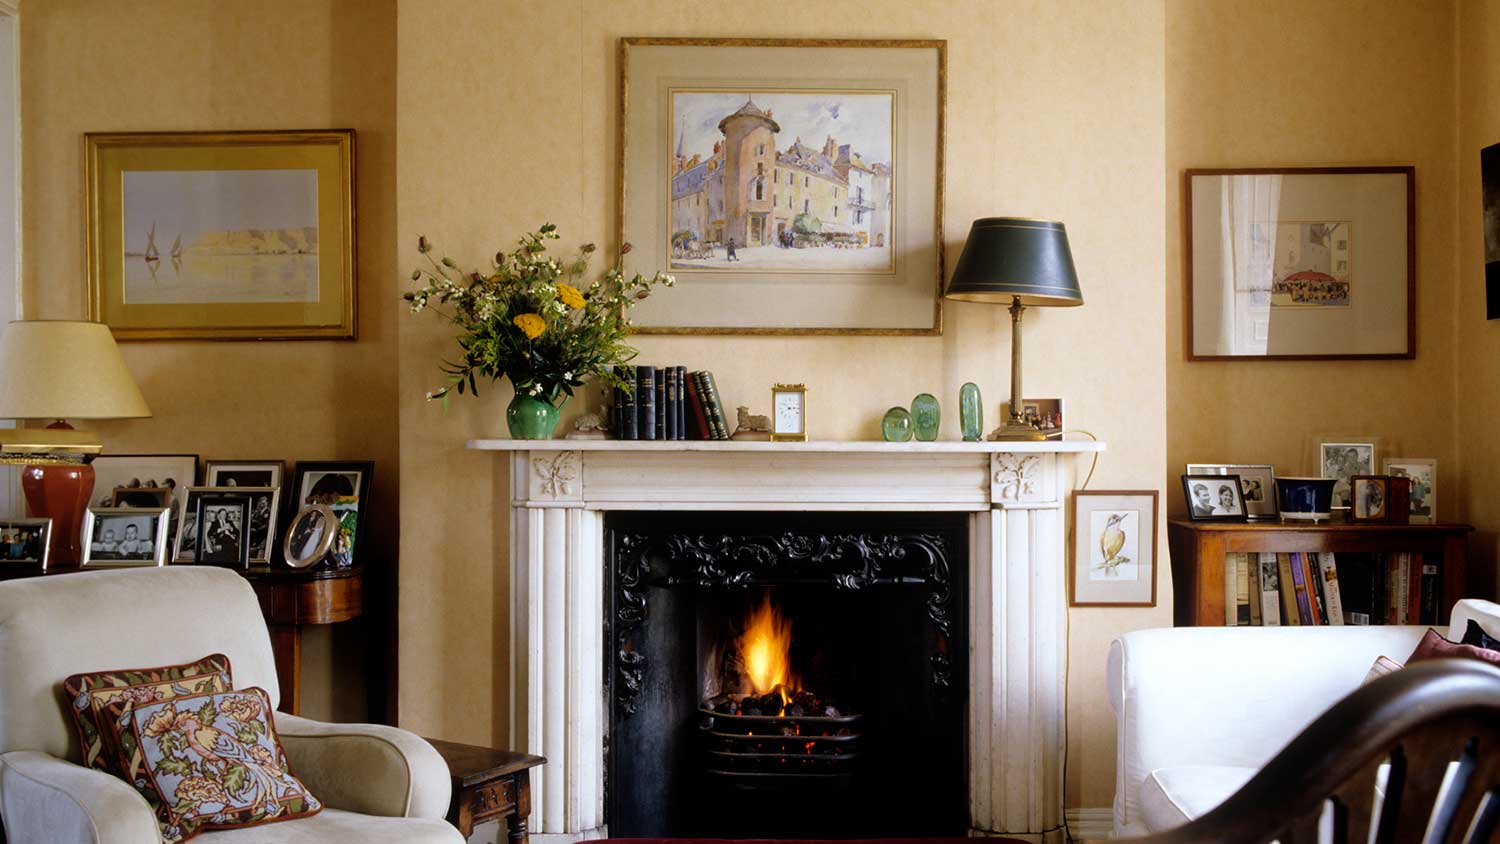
791, 186
221, 235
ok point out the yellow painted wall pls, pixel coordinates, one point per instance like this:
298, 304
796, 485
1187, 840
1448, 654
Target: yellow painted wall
507, 119
1478, 353
252, 64
1293, 83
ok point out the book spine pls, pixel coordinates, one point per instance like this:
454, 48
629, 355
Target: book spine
1315, 587
615, 401
1299, 585
699, 416
661, 403
1242, 589
1327, 562
1288, 589
1252, 563
681, 402
1270, 593
645, 400
673, 398
629, 429
716, 408
1430, 590
1231, 590
1414, 588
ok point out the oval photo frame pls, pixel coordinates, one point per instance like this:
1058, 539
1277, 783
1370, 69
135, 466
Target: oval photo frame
300, 535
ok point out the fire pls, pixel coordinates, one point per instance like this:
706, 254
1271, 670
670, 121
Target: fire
766, 647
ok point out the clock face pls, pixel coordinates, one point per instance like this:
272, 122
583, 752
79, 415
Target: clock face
789, 417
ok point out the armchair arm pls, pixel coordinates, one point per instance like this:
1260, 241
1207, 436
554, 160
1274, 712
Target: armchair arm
43, 798
367, 768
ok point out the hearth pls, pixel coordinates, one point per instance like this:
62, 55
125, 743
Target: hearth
786, 674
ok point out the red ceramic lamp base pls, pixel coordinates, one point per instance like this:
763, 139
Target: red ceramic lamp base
60, 491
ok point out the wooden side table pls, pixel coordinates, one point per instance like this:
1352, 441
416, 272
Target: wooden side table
290, 598
489, 785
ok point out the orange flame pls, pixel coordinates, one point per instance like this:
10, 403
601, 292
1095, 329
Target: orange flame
766, 646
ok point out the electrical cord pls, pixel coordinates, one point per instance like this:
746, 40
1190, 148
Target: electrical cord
1068, 650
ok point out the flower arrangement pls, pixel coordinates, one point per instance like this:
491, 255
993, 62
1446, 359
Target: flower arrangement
531, 318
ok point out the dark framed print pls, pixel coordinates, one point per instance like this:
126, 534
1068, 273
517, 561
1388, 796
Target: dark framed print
1371, 498
264, 504
1301, 263
221, 235
25, 541
343, 486
1214, 498
1113, 555
124, 536
222, 527
257, 473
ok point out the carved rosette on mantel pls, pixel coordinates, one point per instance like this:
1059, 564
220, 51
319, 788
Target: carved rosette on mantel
1014, 492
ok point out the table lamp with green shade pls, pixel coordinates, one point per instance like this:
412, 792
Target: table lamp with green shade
54, 370
1016, 261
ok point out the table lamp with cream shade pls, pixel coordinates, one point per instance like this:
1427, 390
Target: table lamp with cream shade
1019, 262
55, 370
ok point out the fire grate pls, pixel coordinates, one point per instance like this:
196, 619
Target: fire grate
760, 750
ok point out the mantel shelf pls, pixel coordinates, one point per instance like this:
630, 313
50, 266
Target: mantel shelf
814, 447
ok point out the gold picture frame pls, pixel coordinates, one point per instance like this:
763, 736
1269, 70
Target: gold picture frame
867, 258
261, 227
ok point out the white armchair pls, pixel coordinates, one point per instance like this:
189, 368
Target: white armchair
380, 785
1199, 710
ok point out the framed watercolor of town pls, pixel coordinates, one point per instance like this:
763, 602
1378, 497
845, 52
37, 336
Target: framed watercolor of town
1312, 268
781, 180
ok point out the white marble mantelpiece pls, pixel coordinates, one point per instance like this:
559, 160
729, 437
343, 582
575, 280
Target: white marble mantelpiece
1016, 493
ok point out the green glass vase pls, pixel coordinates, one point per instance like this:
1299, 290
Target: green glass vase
896, 426
531, 418
926, 416
971, 412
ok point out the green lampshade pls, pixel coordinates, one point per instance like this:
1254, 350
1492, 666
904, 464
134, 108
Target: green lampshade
1006, 258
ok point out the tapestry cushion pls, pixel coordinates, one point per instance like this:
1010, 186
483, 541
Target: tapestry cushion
89, 693
1475, 635
212, 761
1434, 646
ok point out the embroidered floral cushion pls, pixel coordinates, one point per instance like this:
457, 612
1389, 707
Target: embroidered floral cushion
212, 761
87, 695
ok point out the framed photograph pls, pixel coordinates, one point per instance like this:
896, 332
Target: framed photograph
314, 532
1113, 559
1341, 461
222, 525
341, 485
1045, 414
128, 472
125, 536
1214, 498
264, 505
1257, 484
1489, 169
1371, 495
143, 498
257, 473
1422, 472
221, 235
25, 541
792, 186
1301, 263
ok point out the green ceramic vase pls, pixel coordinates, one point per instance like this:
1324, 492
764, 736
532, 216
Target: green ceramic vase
971, 412
926, 416
896, 426
531, 418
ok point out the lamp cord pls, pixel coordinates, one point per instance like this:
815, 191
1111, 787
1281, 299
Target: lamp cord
1068, 653
1094, 464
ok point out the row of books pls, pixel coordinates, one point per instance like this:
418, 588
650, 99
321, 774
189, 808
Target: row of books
1269, 589
668, 403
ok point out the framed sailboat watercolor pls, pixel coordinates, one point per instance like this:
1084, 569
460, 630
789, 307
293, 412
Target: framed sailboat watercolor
222, 235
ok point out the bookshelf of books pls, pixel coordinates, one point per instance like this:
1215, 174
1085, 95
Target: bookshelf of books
1271, 573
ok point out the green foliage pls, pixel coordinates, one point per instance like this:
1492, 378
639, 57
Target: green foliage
175, 765
805, 223
235, 778
207, 713
170, 743
532, 318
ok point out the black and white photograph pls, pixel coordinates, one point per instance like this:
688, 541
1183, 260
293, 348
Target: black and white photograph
1342, 461
122, 536
143, 498
141, 471
310, 535
262, 502
1214, 498
221, 522
256, 473
1257, 484
25, 541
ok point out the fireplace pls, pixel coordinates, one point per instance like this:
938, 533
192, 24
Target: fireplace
786, 674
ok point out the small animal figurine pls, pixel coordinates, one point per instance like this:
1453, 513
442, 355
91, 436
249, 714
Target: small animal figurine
589, 426
751, 427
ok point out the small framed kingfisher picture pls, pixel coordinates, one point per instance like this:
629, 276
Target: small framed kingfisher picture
1114, 549
789, 413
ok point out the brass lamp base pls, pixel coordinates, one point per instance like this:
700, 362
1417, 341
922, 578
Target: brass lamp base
1017, 430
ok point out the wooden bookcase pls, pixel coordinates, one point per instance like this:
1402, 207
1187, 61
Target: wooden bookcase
1198, 550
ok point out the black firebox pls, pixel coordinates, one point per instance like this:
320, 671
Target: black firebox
786, 675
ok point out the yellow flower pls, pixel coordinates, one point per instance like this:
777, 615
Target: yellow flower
531, 325
569, 295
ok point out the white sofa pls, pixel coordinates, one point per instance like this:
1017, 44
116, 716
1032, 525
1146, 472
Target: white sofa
380, 785
1198, 710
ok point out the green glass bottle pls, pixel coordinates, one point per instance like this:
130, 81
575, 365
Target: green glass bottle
926, 416
896, 426
971, 412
